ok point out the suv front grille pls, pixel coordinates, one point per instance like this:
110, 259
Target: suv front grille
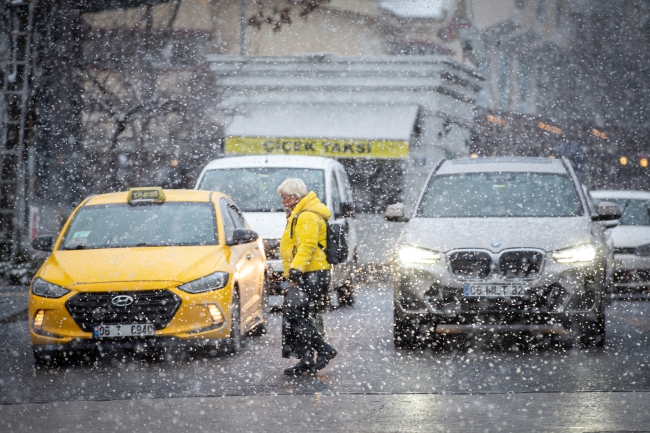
520, 264
96, 308
470, 264
632, 276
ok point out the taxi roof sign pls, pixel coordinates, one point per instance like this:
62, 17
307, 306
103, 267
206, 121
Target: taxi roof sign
146, 195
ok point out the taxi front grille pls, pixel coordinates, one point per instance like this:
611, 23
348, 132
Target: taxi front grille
99, 308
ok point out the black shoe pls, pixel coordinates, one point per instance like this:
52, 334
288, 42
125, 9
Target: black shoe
324, 358
305, 366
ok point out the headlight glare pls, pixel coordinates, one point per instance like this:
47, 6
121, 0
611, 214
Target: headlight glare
215, 281
408, 254
42, 288
580, 253
643, 250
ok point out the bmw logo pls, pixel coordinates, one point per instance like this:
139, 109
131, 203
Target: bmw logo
122, 300
496, 244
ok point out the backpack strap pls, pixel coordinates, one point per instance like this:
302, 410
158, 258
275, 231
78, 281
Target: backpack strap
295, 221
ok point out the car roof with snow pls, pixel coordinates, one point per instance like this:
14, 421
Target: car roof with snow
297, 161
502, 164
620, 194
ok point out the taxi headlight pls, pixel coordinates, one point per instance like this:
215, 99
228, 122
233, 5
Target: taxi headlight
215, 281
42, 288
580, 253
408, 254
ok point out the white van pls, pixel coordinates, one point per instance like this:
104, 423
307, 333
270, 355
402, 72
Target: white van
252, 182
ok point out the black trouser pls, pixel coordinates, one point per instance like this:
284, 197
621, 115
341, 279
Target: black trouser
301, 313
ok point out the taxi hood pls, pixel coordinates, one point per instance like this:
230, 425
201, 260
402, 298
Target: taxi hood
170, 264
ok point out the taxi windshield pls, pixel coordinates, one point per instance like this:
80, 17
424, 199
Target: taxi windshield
500, 195
123, 226
254, 189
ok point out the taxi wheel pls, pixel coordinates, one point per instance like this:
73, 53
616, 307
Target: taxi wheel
262, 327
235, 343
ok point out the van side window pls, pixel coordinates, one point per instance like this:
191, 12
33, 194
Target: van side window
228, 223
344, 181
336, 197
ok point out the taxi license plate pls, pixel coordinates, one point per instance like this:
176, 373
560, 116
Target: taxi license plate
116, 331
494, 290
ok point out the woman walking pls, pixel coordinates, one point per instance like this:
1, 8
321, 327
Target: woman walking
306, 268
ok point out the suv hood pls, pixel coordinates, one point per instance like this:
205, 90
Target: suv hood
445, 234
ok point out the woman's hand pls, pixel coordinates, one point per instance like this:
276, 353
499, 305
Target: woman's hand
295, 277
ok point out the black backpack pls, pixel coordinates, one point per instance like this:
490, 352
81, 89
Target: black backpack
337, 250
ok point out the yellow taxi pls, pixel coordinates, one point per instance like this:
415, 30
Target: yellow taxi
149, 267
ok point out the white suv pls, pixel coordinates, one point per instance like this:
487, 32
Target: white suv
501, 245
252, 182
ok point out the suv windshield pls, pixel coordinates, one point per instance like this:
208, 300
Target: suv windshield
254, 189
500, 195
634, 212
122, 225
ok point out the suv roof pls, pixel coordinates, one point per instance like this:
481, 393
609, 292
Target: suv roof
502, 164
297, 161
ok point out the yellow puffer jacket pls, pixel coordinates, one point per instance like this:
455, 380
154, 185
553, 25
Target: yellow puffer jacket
301, 252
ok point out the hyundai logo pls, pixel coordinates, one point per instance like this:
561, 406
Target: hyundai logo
122, 300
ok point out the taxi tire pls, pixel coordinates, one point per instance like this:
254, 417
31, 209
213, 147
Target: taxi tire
235, 341
262, 327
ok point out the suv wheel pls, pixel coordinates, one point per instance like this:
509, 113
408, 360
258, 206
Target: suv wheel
405, 333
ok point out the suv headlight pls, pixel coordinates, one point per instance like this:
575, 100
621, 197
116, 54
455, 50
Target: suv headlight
215, 281
408, 254
42, 288
643, 250
580, 253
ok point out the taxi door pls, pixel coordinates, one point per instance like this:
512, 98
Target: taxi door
249, 262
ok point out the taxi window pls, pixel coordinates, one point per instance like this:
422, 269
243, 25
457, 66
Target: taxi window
124, 226
228, 223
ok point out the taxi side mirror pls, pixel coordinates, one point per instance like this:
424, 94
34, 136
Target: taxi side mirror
395, 213
43, 243
607, 211
243, 236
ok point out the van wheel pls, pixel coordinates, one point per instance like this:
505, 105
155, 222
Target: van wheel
347, 293
234, 345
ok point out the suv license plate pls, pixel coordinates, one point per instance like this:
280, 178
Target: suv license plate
116, 331
494, 290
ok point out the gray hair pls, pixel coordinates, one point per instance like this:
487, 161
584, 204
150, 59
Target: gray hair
295, 187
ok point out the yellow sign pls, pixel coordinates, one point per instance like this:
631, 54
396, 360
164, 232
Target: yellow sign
146, 195
317, 147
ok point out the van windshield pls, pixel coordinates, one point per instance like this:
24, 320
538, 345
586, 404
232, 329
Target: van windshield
500, 195
254, 189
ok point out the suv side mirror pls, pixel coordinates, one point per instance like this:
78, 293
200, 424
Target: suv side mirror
607, 211
395, 213
347, 210
43, 243
243, 236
